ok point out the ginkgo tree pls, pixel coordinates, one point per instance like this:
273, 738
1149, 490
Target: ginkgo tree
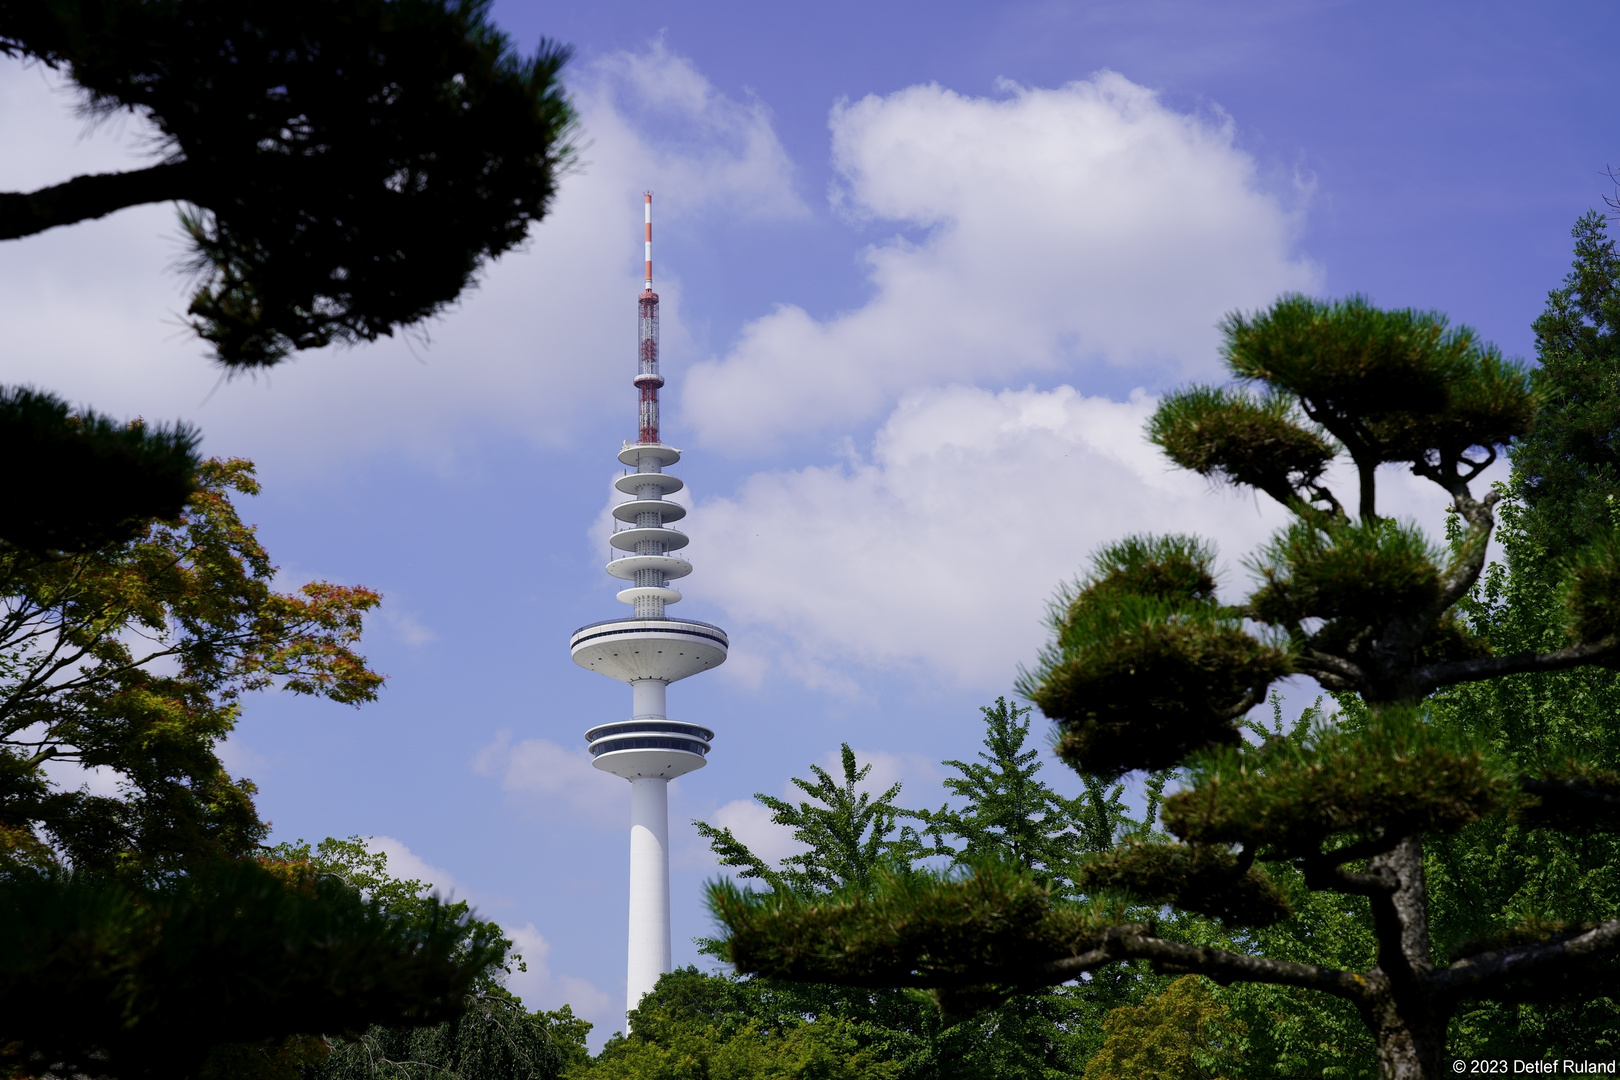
1149, 669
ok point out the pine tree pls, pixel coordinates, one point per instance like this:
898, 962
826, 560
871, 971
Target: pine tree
849, 838
1149, 670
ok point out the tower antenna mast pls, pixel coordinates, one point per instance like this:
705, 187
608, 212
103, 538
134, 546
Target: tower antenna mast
649, 650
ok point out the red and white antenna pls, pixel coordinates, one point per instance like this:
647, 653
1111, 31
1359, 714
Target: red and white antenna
647, 378
649, 241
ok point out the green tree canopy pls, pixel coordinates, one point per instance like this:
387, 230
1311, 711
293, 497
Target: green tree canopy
495, 1038
135, 659
1567, 469
1008, 814
103, 977
1149, 669
144, 931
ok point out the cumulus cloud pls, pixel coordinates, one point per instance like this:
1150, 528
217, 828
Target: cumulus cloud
93, 311
937, 550
1062, 230
559, 778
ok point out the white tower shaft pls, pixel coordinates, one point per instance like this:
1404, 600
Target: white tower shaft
649, 887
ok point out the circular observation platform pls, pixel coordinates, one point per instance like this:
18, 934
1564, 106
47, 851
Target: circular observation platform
634, 649
634, 452
649, 747
629, 511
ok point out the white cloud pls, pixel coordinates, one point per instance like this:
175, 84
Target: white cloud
91, 311
541, 988
1065, 229
938, 551
540, 771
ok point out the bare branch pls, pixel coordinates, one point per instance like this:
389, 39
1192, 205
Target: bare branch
1333, 672
1477, 976
1425, 681
85, 197
1224, 967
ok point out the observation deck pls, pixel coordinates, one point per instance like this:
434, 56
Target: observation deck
647, 747
631, 650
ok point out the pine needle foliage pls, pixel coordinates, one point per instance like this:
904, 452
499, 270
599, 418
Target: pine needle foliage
80, 480
1348, 570
1146, 666
918, 929
1208, 880
1233, 437
1339, 793
349, 165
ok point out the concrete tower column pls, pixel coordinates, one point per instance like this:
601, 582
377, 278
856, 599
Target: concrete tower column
649, 886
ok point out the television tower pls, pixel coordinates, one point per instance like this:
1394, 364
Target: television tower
649, 650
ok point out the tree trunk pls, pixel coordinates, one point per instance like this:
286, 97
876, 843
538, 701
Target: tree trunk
1406, 1020
1410, 1048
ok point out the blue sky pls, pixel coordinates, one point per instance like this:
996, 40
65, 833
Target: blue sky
925, 269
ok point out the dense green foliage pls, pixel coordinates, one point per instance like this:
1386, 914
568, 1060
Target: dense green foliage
1183, 1033
1009, 815
1567, 470
1310, 848
1501, 876
695, 1025
496, 1038
145, 930
103, 977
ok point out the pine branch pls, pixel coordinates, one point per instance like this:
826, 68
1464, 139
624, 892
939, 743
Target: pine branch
1227, 967
1426, 680
91, 196
1478, 976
